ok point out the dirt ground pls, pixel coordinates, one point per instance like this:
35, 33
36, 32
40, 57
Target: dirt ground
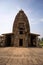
21, 56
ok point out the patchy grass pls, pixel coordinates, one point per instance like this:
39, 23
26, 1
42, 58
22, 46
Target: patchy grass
41, 43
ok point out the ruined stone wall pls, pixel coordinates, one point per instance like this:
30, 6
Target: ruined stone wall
2, 41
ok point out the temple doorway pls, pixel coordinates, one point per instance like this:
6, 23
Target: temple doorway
33, 41
8, 40
20, 42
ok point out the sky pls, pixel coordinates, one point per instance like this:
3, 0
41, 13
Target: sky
32, 8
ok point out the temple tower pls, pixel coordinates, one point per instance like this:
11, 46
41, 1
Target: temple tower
21, 30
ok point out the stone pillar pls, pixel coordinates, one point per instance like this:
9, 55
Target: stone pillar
29, 40
4, 41
12, 40
37, 43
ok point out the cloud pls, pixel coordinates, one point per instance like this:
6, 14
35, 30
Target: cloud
36, 21
18, 7
41, 19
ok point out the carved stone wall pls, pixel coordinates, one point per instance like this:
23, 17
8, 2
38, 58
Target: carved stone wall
20, 35
21, 28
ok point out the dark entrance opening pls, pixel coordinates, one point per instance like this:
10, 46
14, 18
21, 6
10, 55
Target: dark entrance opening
20, 42
8, 40
33, 41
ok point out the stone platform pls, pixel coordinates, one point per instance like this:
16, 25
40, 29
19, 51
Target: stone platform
21, 56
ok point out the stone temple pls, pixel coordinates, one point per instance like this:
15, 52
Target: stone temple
20, 36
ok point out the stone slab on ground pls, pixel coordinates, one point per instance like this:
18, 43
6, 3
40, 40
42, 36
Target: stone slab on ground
21, 56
